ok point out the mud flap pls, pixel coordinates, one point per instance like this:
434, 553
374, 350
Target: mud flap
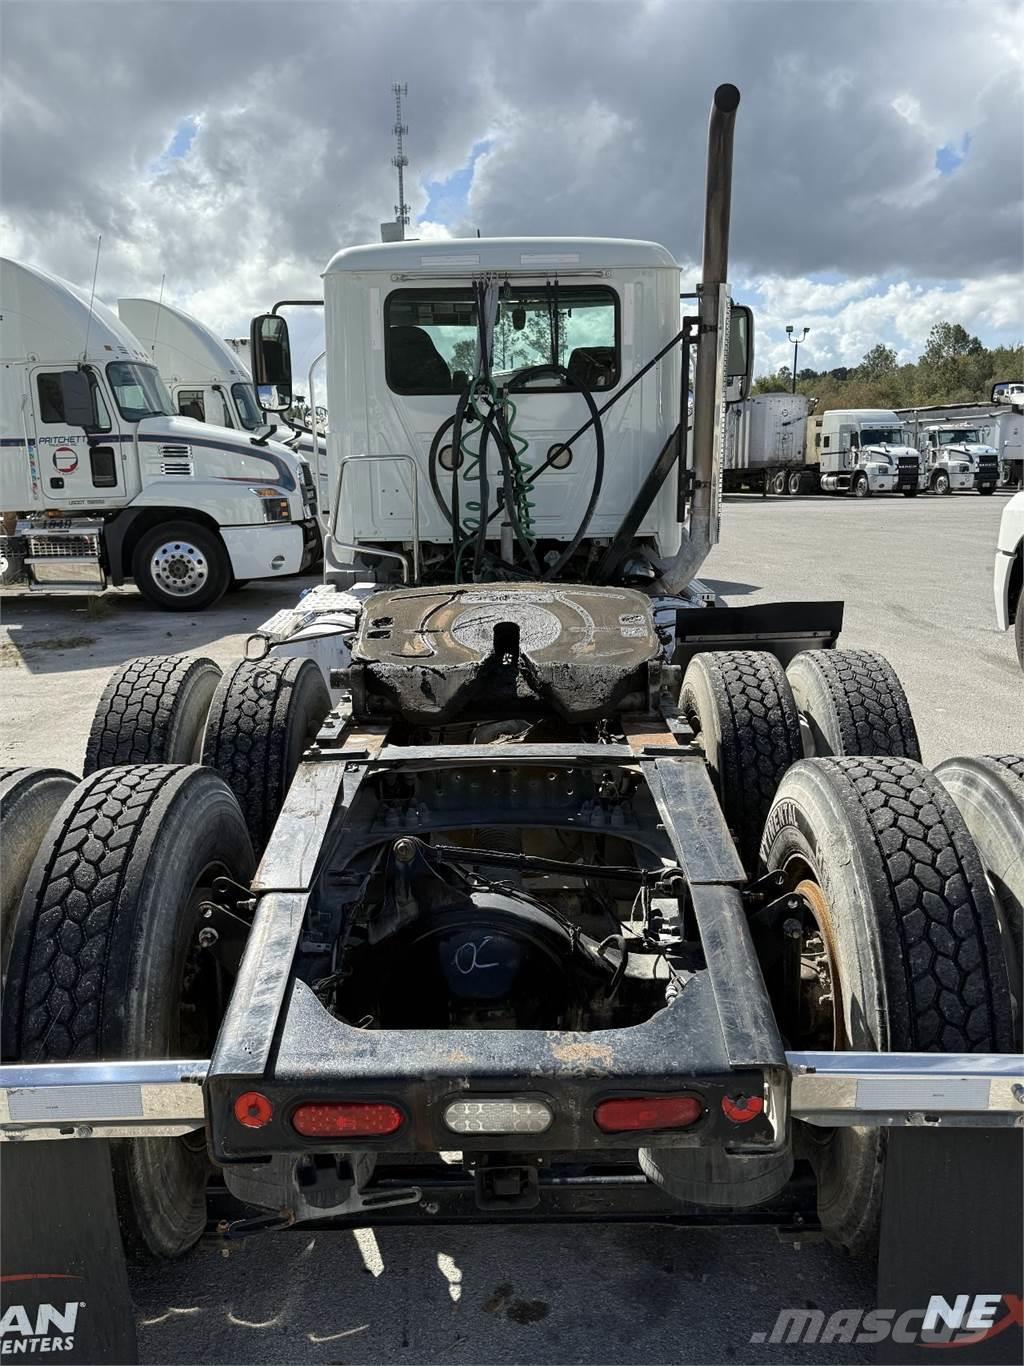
63, 1279
951, 1226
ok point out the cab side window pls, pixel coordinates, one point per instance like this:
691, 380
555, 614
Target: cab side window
51, 400
190, 404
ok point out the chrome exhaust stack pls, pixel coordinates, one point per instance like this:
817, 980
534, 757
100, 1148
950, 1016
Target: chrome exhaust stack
701, 531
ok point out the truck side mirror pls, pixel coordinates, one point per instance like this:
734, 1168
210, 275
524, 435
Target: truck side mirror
271, 356
79, 401
740, 365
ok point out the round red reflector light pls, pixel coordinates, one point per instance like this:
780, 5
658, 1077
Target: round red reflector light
647, 1112
742, 1109
347, 1119
253, 1110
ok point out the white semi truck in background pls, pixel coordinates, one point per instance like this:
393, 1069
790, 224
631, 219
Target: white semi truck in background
956, 458
101, 481
208, 378
863, 451
999, 425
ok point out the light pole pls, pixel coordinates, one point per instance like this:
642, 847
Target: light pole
791, 334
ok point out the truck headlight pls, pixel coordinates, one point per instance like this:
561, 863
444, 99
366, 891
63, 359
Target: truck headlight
275, 505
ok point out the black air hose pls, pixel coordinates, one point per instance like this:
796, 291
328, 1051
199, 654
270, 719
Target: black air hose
519, 383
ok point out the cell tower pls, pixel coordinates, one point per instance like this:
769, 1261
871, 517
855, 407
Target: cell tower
400, 160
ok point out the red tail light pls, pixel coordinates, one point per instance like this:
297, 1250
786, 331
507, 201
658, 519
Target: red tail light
347, 1119
647, 1112
253, 1110
742, 1109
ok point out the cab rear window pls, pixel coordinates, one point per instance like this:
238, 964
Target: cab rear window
431, 337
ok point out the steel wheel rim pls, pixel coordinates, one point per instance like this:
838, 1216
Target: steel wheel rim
821, 914
179, 568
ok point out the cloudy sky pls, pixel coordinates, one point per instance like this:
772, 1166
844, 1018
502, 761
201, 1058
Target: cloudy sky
233, 147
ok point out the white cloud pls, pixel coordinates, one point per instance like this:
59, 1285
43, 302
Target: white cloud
847, 318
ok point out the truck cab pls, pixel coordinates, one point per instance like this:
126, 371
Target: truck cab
572, 322
864, 451
103, 481
206, 375
955, 457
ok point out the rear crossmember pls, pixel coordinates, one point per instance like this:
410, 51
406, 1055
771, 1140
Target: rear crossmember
165, 1097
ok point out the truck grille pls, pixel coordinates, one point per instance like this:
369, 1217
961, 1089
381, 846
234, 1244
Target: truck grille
906, 471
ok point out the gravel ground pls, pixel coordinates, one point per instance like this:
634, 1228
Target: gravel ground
916, 577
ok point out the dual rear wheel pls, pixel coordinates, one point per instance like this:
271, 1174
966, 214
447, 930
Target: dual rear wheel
911, 887
114, 886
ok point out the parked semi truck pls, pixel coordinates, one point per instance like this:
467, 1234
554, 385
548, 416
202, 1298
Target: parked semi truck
862, 451
1001, 427
547, 884
102, 481
955, 458
208, 379
764, 444
205, 377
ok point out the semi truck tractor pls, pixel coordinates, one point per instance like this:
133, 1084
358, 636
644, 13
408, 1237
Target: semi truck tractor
208, 379
577, 897
956, 459
205, 377
865, 451
103, 481
1001, 427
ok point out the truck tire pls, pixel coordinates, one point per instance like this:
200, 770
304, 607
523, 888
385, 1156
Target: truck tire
909, 493
852, 702
861, 487
264, 714
986, 489
795, 483
181, 566
940, 482
29, 800
989, 794
105, 962
900, 913
778, 482
740, 704
152, 711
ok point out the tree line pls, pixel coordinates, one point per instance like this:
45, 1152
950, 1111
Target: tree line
953, 368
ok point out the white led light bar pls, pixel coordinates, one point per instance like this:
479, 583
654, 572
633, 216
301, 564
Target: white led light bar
498, 1117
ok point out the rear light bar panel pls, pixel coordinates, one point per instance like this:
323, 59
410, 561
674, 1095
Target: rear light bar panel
157, 1098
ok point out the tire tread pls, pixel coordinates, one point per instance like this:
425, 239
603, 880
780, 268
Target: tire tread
59, 964
868, 701
135, 715
941, 942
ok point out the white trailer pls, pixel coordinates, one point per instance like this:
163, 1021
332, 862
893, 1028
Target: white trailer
764, 444
864, 451
101, 481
